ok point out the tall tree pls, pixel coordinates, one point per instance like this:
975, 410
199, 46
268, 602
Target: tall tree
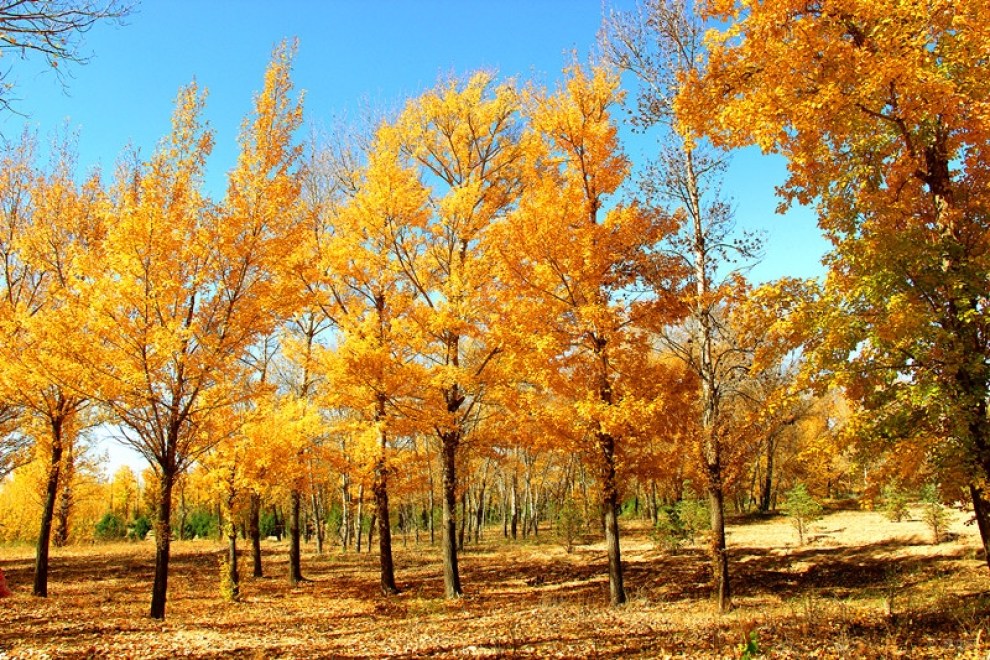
187, 287
880, 108
372, 372
573, 271
50, 227
464, 140
659, 44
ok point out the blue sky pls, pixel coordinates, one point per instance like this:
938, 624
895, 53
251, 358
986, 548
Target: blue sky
353, 54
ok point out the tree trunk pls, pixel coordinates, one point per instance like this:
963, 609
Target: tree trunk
295, 553
719, 553
451, 576
163, 543
371, 529
254, 531
610, 508
358, 520
65, 500
232, 575
515, 506
44, 534
380, 489
766, 489
345, 511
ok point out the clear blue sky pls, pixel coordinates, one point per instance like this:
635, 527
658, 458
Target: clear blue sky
352, 54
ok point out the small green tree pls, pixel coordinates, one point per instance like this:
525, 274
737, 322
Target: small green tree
802, 509
569, 523
933, 513
695, 518
668, 534
895, 503
110, 527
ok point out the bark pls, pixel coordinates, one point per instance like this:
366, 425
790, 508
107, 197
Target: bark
65, 501
295, 554
232, 574
358, 519
380, 489
451, 576
44, 534
719, 553
766, 489
610, 508
345, 512
254, 531
163, 542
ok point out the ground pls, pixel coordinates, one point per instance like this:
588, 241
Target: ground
860, 587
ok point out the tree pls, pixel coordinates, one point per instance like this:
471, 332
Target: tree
186, 287
802, 509
572, 269
464, 140
879, 108
372, 372
660, 44
50, 225
52, 29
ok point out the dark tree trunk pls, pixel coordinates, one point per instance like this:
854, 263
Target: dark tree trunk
65, 500
371, 529
451, 576
295, 554
610, 509
719, 552
515, 506
163, 543
766, 490
384, 528
254, 531
44, 534
232, 575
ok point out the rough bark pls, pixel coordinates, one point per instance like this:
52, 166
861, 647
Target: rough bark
44, 534
254, 531
380, 489
163, 543
610, 509
295, 553
451, 576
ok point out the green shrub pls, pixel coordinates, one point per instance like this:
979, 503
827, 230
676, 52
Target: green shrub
668, 534
802, 508
110, 527
201, 523
895, 503
268, 524
139, 528
933, 513
695, 518
569, 523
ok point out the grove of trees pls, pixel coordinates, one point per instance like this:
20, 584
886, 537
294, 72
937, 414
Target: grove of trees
482, 315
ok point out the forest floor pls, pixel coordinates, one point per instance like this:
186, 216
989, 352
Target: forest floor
860, 587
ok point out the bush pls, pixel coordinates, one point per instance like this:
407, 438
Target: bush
268, 524
802, 509
202, 524
681, 523
895, 503
669, 531
569, 523
933, 513
110, 527
139, 528
695, 517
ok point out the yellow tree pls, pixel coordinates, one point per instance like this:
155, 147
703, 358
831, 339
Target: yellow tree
463, 139
659, 44
50, 227
881, 109
372, 372
187, 288
572, 268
